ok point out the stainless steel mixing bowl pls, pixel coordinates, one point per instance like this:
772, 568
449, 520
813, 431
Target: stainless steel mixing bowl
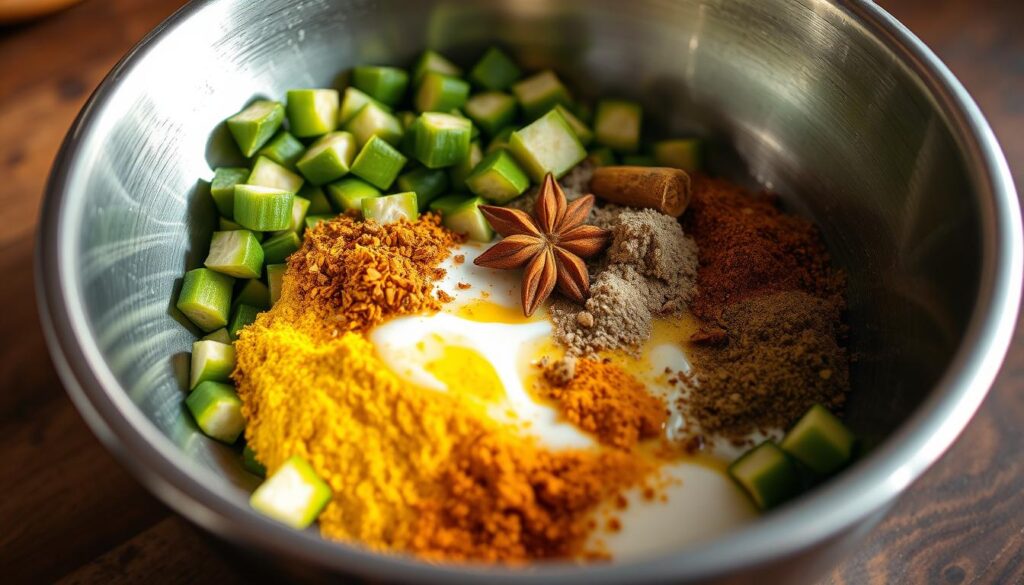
834, 104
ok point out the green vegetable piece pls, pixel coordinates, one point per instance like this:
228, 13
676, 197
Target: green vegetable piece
427, 184
222, 189
385, 84
391, 208
767, 475
820, 441
548, 145
378, 163
267, 173
462, 215
602, 156
353, 103
284, 149
440, 93
298, 221
254, 293
495, 70
539, 93
491, 110
312, 112
374, 120
348, 193
220, 335
474, 132
235, 253
500, 140
251, 464
255, 125
263, 208
639, 160
329, 158
226, 225
498, 178
431, 61
458, 174
240, 318
680, 153
205, 298
584, 133
212, 361
293, 495
318, 202
406, 118
217, 410
441, 140
617, 125
277, 249
275, 274
314, 220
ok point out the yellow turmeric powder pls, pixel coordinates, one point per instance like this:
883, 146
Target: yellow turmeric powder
411, 469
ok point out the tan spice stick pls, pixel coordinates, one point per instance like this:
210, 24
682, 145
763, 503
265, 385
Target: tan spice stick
664, 189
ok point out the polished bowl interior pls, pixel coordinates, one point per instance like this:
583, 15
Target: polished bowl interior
832, 104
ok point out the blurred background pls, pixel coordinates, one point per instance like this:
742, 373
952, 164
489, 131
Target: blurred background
69, 513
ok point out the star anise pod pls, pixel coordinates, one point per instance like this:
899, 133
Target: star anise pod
551, 245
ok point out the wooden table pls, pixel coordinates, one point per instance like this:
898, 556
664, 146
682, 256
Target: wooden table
69, 512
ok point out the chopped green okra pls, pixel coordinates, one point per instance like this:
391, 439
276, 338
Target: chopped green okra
251, 464
217, 410
255, 125
767, 475
284, 149
617, 125
242, 316
374, 120
254, 293
222, 188
441, 140
348, 193
353, 102
275, 274
431, 61
293, 495
441, 93
427, 184
267, 173
212, 361
498, 178
220, 335
318, 202
385, 84
584, 133
491, 110
329, 158
458, 173
539, 93
312, 112
462, 215
205, 298
277, 249
391, 208
495, 70
378, 163
263, 208
236, 253
548, 145
680, 153
820, 441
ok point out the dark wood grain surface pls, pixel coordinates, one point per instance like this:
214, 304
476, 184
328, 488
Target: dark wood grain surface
68, 512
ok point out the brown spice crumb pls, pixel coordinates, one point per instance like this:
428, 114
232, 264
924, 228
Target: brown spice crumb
585, 319
459, 258
464, 286
561, 372
614, 525
444, 297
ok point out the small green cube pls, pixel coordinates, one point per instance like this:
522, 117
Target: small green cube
373, 120
539, 93
602, 156
318, 202
222, 189
427, 184
767, 475
267, 173
820, 441
275, 277
254, 293
329, 158
205, 298
242, 316
378, 163
385, 84
217, 410
498, 178
353, 102
221, 335
548, 145
284, 149
312, 112
348, 193
432, 61
440, 93
263, 208
391, 208
293, 495
441, 140
212, 361
255, 125
235, 253
462, 215
680, 153
495, 70
500, 140
492, 111
300, 207
459, 172
584, 133
617, 125
277, 249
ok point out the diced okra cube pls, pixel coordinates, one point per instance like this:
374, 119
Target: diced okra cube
378, 163
617, 124
263, 208
681, 153
293, 494
284, 149
385, 84
221, 335
251, 464
548, 145
584, 133
498, 178
495, 70
222, 188
267, 173
427, 184
462, 215
491, 110
227, 225
431, 61
300, 207
242, 316
820, 441
254, 293
767, 475
277, 249
348, 193
458, 173
391, 208
353, 103
217, 410
312, 112
255, 125
441, 140
212, 361
235, 253
329, 158
314, 220
440, 93
374, 120
539, 93
275, 276
205, 298
318, 202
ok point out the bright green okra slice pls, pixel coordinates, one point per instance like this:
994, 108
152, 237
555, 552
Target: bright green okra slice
212, 361
205, 298
242, 316
329, 158
391, 208
617, 124
491, 110
427, 184
820, 441
767, 475
222, 188
441, 93
373, 120
267, 173
348, 193
539, 93
314, 220
585, 134
495, 70
221, 335
293, 494
548, 145
275, 276
462, 215
284, 149
236, 253
318, 202
378, 163
312, 112
679, 153
353, 102
254, 293
385, 84
227, 225
432, 61
217, 410
498, 178
255, 125
263, 208
459, 172
277, 249
441, 140
300, 207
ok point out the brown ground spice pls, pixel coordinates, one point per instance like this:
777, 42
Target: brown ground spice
781, 355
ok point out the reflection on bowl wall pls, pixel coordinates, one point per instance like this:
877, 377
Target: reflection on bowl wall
834, 106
